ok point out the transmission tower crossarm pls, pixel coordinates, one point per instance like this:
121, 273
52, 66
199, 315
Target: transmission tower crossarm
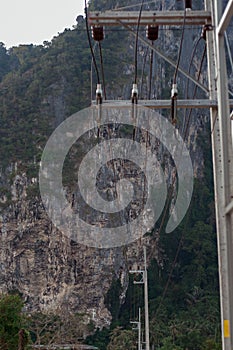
161, 104
169, 18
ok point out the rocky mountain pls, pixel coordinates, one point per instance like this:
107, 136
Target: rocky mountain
41, 86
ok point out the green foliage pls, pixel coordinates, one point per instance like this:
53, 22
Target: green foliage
211, 344
99, 339
40, 87
186, 316
122, 339
11, 320
168, 344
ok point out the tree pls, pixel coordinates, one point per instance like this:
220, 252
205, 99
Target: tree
122, 339
168, 344
211, 344
54, 327
11, 321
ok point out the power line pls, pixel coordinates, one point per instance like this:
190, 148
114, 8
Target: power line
90, 45
136, 44
151, 71
190, 63
194, 93
189, 70
180, 49
102, 70
174, 91
170, 195
133, 5
143, 69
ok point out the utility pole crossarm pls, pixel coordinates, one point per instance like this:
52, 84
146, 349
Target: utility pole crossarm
112, 18
141, 272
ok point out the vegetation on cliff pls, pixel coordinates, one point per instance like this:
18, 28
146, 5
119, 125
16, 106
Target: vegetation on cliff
40, 86
12, 319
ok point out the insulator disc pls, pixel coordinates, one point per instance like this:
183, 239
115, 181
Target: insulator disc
152, 32
98, 33
188, 4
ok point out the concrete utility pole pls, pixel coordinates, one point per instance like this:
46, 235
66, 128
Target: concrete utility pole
219, 105
147, 334
144, 281
139, 329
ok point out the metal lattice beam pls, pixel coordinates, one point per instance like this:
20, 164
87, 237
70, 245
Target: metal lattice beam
226, 18
162, 104
169, 18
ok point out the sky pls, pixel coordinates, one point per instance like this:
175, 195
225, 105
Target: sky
32, 22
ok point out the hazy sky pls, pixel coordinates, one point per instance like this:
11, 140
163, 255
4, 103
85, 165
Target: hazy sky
32, 22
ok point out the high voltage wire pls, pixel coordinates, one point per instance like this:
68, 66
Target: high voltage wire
171, 193
180, 49
102, 70
174, 91
90, 44
143, 69
133, 5
136, 44
195, 91
190, 65
187, 122
191, 61
151, 71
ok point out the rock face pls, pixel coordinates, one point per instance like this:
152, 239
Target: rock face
51, 271
54, 273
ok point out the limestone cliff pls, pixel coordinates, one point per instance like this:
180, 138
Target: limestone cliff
47, 84
52, 272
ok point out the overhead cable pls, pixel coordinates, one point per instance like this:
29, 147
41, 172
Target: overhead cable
133, 5
151, 71
170, 197
174, 91
136, 44
90, 45
180, 48
102, 70
194, 94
